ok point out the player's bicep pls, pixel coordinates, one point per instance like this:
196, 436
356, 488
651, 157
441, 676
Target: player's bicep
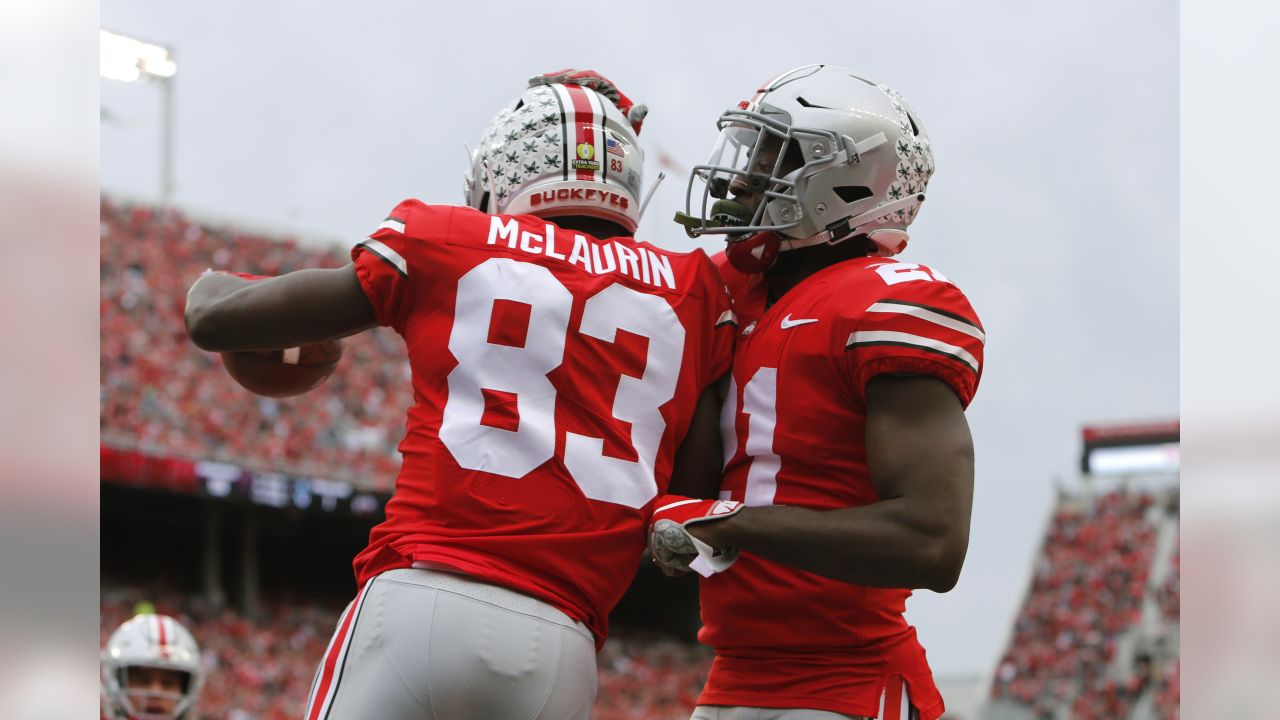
300, 307
919, 448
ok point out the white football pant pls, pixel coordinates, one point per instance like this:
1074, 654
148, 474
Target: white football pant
419, 644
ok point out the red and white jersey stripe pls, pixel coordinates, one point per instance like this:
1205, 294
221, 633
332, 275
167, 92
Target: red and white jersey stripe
895, 701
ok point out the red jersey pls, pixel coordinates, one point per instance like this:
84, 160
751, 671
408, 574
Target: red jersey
794, 423
554, 374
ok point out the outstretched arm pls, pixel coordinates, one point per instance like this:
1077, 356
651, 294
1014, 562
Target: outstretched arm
225, 312
920, 458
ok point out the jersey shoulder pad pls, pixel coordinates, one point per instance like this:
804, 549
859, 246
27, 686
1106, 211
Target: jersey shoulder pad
904, 284
392, 257
411, 220
909, 318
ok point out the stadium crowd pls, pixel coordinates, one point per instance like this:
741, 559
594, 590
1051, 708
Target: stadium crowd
1168, 691
261, 669
1169, 593
643, 678
161, 394
1088, 587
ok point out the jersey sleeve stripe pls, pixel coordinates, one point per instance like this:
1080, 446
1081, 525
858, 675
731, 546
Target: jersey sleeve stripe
940, 311
392, 224
884, 337
392, 257
946, 319
727, 318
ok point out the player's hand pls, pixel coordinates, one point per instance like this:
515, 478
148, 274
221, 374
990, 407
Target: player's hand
634, 113
674, 549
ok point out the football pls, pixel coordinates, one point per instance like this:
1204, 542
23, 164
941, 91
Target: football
283, 373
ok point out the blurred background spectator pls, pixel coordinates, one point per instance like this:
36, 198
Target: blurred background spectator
1086, 605
160, 393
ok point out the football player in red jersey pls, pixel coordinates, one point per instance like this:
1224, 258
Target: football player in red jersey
850, 480
557, 364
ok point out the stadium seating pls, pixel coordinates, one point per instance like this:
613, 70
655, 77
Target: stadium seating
1168, 694
1087, 594
162, 395
1170, 591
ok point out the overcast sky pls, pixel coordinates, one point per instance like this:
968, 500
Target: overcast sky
1054, 205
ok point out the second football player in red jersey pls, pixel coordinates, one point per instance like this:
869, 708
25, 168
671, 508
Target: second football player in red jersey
556, 366
849, 468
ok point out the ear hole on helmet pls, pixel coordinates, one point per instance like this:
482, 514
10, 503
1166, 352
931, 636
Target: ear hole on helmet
519, 104
484, 203
915, 129
852, 193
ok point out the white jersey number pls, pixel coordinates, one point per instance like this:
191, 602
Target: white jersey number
522, 372
759, 404
899, 272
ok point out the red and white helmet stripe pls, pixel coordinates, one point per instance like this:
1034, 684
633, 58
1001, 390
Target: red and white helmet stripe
560, 149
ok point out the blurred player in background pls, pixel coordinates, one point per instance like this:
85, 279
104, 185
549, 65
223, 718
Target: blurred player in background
151, 671
853, 462
556, 364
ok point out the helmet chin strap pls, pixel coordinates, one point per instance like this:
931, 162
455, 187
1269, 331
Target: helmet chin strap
757, 252
842, 229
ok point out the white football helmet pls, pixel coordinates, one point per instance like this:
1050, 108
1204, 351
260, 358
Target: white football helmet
151, 641
559, 149
829, 156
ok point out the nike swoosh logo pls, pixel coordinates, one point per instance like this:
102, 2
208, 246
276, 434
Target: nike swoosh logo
787, 322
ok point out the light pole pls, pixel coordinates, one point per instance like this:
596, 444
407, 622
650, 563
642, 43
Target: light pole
130, 60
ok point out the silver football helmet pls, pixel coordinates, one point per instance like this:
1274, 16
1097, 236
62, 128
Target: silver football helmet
558, 149
818, 155
149, 641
